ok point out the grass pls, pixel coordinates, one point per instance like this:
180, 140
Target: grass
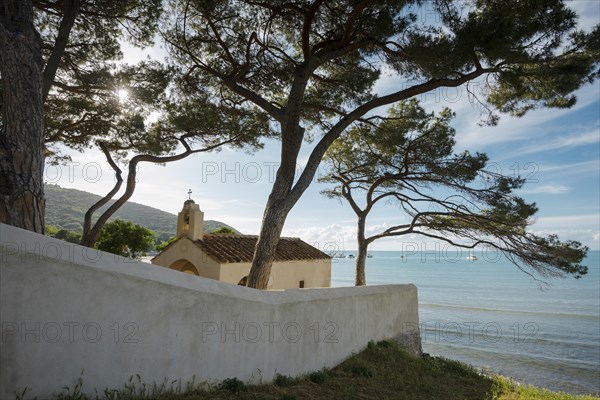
381, 371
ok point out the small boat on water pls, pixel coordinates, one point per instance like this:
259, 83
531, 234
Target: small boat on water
337, 254
369, 255
472, 257
350, 255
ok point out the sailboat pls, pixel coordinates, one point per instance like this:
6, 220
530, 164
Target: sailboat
341, 253
471, 256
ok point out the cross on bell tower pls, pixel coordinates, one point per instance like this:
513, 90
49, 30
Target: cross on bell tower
190, 221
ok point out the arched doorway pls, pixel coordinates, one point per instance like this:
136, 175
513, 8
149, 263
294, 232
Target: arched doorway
185, 266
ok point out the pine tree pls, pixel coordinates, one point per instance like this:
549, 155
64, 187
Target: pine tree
408, 159
311, 66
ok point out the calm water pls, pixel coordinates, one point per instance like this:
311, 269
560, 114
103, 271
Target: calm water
491, 315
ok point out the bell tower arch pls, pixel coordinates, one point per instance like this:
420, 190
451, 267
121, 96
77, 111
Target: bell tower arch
190, 221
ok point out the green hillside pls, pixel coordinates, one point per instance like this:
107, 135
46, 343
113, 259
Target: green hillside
65, 209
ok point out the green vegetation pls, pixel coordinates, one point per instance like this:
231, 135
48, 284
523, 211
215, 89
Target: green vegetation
63, 234
163, 245
284, 380
382, 371
125, 239
233, 385
225, 230
65, 209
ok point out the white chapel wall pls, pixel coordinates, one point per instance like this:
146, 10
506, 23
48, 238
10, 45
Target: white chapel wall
284, 274
185, 249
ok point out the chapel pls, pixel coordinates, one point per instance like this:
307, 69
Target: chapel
228, 257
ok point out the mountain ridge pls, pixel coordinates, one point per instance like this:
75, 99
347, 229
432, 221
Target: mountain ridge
65, 209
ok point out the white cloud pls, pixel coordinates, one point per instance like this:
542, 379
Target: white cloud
548, 189
337, 237
510, 129
569, 221
562, 142
571, 169
587, 12
583, 228
329, 237
588, 237
246, 225
134, 54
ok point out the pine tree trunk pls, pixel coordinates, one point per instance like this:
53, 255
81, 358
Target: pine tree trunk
361, 256
279, 204
264, 252
361, 259
91, 232
22, 201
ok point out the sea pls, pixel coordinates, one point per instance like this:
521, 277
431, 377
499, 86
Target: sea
491, 315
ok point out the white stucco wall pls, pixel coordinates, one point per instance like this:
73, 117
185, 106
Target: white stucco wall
64, 309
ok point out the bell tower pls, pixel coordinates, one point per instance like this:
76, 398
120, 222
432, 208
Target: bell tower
190, 220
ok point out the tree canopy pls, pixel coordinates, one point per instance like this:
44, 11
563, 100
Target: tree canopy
63, 234
310, 67
224, 230
154, 122
81, 39
44, 45
125, 238
408, 159
132, 113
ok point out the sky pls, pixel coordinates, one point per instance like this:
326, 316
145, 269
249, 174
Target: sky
557, 151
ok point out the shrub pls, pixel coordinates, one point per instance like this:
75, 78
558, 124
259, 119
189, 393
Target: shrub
360, 368
318, 377
233, 385
283, 380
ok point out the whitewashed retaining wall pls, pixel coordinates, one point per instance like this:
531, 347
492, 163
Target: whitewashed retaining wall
65, 309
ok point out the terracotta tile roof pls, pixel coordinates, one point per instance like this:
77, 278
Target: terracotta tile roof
240, 248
